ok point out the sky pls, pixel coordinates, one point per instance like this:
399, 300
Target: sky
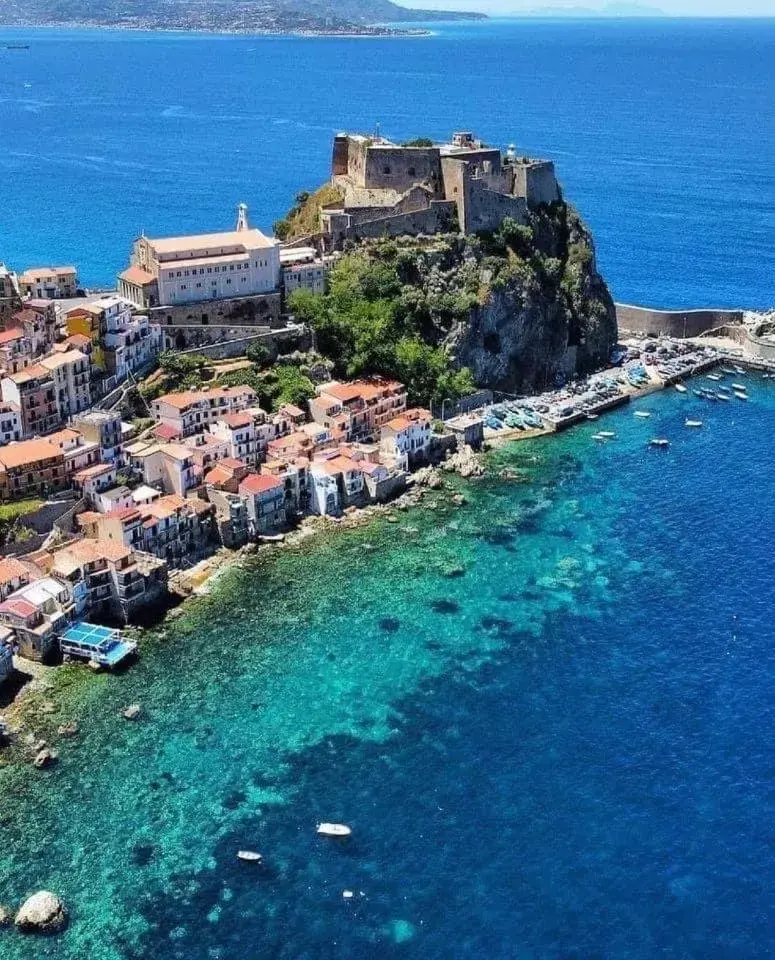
719, 8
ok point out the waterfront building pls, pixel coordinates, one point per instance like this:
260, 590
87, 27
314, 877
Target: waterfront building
31, 468
189, 411
406, 439
357, 410
71, 373
108, 578
36, 612
15, 574
294, 476
323, 491
264, 497
49, 283
32, 390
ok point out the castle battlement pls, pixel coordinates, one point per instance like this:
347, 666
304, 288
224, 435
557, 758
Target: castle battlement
423, 187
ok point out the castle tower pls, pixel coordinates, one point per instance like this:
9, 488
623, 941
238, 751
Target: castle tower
242, 217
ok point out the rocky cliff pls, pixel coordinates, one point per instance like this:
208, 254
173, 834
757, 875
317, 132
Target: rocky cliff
522, 308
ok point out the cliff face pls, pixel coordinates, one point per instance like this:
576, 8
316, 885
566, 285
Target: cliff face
541, 319
522, 309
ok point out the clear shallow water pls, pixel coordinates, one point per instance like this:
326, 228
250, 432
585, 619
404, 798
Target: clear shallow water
563, 752
662, 131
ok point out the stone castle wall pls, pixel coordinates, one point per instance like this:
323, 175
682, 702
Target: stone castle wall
536, 182
438, 218
263, 309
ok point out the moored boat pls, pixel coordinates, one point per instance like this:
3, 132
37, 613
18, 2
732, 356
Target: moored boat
739, 386
607, 434
693, 423
658, 442
249, 856
740, 395
643, 414
680, 388
333, 830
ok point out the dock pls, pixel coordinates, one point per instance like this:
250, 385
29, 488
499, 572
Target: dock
101, 645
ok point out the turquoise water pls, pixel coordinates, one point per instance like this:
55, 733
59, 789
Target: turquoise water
663, 133
547, 716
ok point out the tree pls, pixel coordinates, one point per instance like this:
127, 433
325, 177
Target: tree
282, 229
258, 354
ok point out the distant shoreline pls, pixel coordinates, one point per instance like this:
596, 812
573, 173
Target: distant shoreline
369, 34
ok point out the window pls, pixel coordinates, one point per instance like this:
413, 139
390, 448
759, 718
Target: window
386, 170
178, 272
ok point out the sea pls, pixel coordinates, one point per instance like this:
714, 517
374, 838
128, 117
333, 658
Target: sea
662, 132
546, 714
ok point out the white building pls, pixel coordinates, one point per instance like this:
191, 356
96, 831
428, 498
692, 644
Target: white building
71, 372
190, 411
406, 439
209, 266
10, 422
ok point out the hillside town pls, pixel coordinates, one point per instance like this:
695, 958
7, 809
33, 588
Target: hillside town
106, 507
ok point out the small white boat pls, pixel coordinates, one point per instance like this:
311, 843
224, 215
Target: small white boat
713, 376
606, 434
740, 370
680, 388
249, 856
333, 830
740, 395
643, 414
693, 423
723, 396
659, 443
592, 416
739, 386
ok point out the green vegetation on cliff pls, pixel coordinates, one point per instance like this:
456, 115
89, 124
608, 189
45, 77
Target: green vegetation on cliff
515, 309
374, 321
304, 218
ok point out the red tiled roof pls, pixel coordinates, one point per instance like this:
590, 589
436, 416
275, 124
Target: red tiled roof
259, 483
164, 431
15, 333
137, 276
19, 606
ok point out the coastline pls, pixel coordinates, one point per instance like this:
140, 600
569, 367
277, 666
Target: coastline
386, 34
197, 583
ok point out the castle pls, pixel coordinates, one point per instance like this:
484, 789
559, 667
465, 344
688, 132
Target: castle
391, 189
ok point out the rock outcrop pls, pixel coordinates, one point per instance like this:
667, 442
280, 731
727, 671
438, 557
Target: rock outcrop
43, 912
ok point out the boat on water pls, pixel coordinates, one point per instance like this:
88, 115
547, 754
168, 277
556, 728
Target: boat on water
607, 434
593, 416
643, 414
727, 370
680, 388
740, 370
658, 442
714, 376
739, 386
723, 396
249, 856
740, 395
693, 423
697, 393
333, 830
17, 46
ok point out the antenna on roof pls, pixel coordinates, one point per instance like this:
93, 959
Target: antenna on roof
376, 135
242, 217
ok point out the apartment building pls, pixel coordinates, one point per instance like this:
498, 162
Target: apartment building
238, 431
264, 497
33, 391
357, 410
10, 423
190, 411
103, 428
49, 283
406, 439
169, 466
31, 468
71, 373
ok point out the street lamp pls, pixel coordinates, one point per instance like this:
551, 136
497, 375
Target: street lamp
443, 402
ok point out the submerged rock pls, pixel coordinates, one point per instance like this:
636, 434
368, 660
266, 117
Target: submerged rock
43, 912
68, 729
445, 606
45, 758
132, 712
6, 917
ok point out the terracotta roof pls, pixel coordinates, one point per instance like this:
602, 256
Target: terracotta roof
15, 333
63, 359
27, 452
236, 420
187, 398
38, 273
30, 373
231, 463
78, 340
137, 276
88, 550
94, 471
19, 606
12, 569
365, 389
164, 431
291, 410
259, 483
218, 474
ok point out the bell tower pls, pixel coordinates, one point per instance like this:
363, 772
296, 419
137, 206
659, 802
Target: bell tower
242, 217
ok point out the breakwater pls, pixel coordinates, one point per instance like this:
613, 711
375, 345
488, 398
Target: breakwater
650, 322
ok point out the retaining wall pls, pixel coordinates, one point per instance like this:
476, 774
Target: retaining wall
673, 323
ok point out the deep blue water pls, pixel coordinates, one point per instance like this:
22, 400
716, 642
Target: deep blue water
562, 751
663, 133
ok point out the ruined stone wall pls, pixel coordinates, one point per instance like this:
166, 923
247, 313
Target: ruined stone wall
486, 209
260, 310
401, 167
438, 218
221, 343
536, 182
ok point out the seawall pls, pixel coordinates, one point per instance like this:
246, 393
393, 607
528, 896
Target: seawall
673, 323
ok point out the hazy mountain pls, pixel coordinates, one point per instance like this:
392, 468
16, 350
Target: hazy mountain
318, 16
